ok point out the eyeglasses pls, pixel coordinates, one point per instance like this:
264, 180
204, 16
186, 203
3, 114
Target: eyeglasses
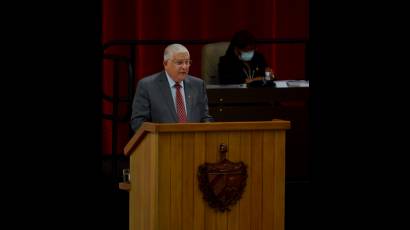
181, 62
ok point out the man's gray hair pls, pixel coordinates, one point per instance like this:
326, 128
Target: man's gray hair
173, 49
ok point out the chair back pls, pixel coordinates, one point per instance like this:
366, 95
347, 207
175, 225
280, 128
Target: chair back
210, 58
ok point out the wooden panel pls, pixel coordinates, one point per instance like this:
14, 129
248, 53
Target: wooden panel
149, 127
136, 174
188, 178
164, 190
234, 155
230, 113
144, 185
260, 104
134, 201
175, 160
211, 127
255, 172
279, 180
151, 182
221, 218
212, 155
268, 168
199, 204
164, 172
245, 202
256, 95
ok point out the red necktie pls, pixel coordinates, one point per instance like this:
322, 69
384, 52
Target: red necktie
180, 104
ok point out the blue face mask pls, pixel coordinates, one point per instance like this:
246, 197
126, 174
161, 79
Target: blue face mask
247, 56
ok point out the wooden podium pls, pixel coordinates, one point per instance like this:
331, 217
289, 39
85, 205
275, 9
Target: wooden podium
164, 161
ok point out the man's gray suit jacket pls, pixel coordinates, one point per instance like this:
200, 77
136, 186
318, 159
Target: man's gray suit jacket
153, 101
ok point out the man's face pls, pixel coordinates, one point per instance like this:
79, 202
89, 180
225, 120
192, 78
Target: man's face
178, 66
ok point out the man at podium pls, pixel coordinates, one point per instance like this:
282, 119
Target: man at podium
171, 96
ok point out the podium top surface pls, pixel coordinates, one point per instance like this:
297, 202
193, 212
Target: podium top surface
149, 127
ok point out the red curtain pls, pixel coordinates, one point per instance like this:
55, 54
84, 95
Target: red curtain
200, 20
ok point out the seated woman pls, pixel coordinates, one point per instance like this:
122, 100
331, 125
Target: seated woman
241, 62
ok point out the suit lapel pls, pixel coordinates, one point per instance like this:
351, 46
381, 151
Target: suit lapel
167, 95
188, 97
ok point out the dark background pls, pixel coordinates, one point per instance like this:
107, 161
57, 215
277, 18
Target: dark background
51, 154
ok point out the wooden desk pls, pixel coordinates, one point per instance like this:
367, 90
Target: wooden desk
265, 104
